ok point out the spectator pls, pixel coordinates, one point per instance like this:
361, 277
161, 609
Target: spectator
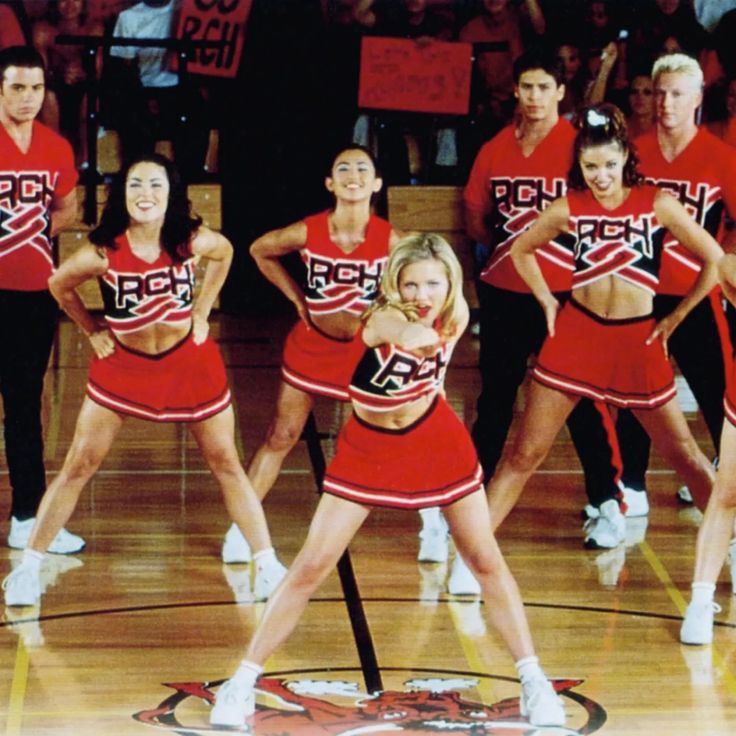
576, 78
412, 147
665, 22
500, 22
11, 33
724, 126
149, 103
641, 106
65, 110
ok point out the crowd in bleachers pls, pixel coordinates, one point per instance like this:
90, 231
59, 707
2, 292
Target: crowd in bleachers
607, 49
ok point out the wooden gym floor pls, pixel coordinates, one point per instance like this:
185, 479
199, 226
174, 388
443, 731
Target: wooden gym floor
135, 634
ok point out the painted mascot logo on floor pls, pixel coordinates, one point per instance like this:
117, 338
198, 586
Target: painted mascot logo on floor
298, 706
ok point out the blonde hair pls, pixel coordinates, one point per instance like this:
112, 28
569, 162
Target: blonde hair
678, 64
422, 247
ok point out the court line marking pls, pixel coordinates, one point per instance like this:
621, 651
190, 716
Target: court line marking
332, 599
470, 649
18, 689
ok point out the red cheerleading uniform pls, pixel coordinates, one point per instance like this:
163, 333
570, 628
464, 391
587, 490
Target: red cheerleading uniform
336, 281
30, 181
701, 178
508, 189
186, 383
729, 399
608, 359
431, 462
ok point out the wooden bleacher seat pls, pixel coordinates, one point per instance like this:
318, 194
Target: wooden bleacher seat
437, 209
108, 151
206, 202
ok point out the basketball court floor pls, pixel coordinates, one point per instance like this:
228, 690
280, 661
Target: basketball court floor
134, 635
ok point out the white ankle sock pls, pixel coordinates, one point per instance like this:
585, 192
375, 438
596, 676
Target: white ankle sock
32, 559
529, 669
247, 673
265, 558
703, 592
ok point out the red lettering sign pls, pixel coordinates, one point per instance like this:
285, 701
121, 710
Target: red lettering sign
215, 20
401, 74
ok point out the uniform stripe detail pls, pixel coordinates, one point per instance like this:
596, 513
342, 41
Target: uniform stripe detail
311, 386
625, 401
122, 406
434, 497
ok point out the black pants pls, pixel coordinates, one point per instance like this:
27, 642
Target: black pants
27, 326
512, 327
699, 350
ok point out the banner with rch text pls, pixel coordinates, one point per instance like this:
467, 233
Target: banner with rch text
221, 21
417, 76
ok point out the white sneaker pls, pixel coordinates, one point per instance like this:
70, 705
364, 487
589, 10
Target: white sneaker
637, 503
233, 704
267, 580
64, 543
235, 547
608, 530
434, 544
540, 704
697, 627
461, 580
22, 587
732, 564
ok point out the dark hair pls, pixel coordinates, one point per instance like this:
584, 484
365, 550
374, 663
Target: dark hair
179, 223
599, 125
352, 147
539, 57
22, 56
53, 16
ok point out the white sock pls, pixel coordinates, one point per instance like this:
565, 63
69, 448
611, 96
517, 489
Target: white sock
431, 517
265, 558
529, 669
703, 592
32, 559
247, 673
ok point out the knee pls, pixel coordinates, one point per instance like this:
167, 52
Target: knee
525, 457
82, 461
309, 570
484, 566
223, 460
725, 493
283, 434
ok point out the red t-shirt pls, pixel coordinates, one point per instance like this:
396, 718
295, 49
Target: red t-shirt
702, 178
510, 190
28, 184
